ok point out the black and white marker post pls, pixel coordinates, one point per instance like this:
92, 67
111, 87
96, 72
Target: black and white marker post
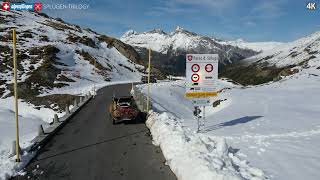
201, 120
196, 113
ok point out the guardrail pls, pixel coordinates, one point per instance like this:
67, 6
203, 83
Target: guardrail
141, 99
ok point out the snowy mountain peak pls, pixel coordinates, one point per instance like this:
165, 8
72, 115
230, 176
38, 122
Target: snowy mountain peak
129, 33
182, 41
157, 31
240, 40
179, 29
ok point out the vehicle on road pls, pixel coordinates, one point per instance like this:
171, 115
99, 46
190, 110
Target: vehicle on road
144, 79
123, 109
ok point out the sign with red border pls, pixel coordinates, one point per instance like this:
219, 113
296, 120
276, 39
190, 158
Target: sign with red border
195, 68
195, 77
209, 67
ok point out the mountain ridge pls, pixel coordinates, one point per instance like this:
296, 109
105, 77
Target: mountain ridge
56, 58
300, 56
170, 48
240, 43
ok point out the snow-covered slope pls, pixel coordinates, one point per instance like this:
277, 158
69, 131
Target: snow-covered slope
57, 62
274, 64
274, 127
160, 41
72, 55
304, 51
256, 46
182, 41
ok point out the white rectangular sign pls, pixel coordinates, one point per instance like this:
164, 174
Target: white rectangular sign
201, 75
201, 101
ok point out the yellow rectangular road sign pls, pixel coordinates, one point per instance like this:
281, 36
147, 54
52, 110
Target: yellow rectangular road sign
200, 94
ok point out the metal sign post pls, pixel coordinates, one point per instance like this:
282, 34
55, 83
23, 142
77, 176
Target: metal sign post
201, 78
16, 93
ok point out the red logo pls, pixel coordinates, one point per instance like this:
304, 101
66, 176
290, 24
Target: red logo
37, 7
5, 6
189, 57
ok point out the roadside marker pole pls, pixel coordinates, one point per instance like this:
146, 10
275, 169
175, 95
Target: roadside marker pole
16, 94
198, 120
149, 68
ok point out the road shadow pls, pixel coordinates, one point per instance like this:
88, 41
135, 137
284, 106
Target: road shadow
141, 119
232, 123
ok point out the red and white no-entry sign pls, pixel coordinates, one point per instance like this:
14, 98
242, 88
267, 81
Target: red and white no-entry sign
209, 67
195, 68
195, 77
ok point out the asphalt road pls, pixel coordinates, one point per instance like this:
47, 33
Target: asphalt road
89, 147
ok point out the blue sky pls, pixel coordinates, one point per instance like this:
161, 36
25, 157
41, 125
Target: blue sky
252, 20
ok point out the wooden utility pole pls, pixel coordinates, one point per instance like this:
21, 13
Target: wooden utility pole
16, 94
149, 71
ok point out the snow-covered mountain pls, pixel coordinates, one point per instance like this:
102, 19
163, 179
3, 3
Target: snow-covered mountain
283, 60
169, 49
55, 57
304, 51
256, 46
182, 41
161, 42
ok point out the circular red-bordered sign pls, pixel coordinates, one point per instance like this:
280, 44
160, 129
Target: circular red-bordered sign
189, 57
195, 68
195, 77
209, 67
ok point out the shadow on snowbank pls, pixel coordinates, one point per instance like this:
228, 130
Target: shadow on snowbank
232, 123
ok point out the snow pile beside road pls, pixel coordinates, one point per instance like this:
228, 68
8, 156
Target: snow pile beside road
194, 156
8, 167
29, 121
274, 126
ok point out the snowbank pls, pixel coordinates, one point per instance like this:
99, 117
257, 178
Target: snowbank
193, 156
274, 126
29, 121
